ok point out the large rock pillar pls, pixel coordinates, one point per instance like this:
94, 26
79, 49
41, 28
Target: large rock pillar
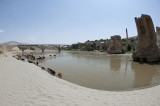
158, 36
147, 50
115, 45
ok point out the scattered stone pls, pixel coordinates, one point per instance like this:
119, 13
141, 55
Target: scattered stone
52, 72
30, 61
37, 63
147, 50
42, 68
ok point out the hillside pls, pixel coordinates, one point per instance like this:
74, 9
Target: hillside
12, 43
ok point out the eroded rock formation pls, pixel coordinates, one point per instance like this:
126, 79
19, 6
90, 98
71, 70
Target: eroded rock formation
147, 50
115, 46
158, 36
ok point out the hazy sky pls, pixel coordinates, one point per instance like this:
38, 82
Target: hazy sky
71, 21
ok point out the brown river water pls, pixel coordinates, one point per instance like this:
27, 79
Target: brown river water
102, 71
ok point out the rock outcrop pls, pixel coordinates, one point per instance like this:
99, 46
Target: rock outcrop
147, 50
15, 49
115, 46
158, 36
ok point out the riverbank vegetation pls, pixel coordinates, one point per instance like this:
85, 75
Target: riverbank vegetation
1, 52
103, 44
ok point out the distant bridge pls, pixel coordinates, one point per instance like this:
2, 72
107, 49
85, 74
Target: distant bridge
41, 47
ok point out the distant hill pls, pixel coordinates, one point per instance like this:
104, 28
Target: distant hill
19, 43
13, 43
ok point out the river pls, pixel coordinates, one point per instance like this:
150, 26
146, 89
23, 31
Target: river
102, 71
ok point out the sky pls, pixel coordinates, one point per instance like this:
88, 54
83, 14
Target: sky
71, 21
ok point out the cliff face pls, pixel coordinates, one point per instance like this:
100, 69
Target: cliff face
147, 50
115, 45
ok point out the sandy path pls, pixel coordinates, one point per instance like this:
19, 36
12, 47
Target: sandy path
25, 84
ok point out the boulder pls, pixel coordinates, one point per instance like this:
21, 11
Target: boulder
147, 50
115, 45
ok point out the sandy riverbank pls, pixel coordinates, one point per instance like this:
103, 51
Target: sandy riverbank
25, 84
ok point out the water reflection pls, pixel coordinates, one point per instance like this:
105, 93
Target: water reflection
115, 63
126, 66
143, 74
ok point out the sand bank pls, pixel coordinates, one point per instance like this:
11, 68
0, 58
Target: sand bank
25, 84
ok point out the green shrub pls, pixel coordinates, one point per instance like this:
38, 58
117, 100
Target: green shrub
123, 40
157, 62
129, 48
1, 52
31, 48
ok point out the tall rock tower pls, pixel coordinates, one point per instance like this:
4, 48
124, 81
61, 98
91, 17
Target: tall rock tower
147, 50
158, 36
